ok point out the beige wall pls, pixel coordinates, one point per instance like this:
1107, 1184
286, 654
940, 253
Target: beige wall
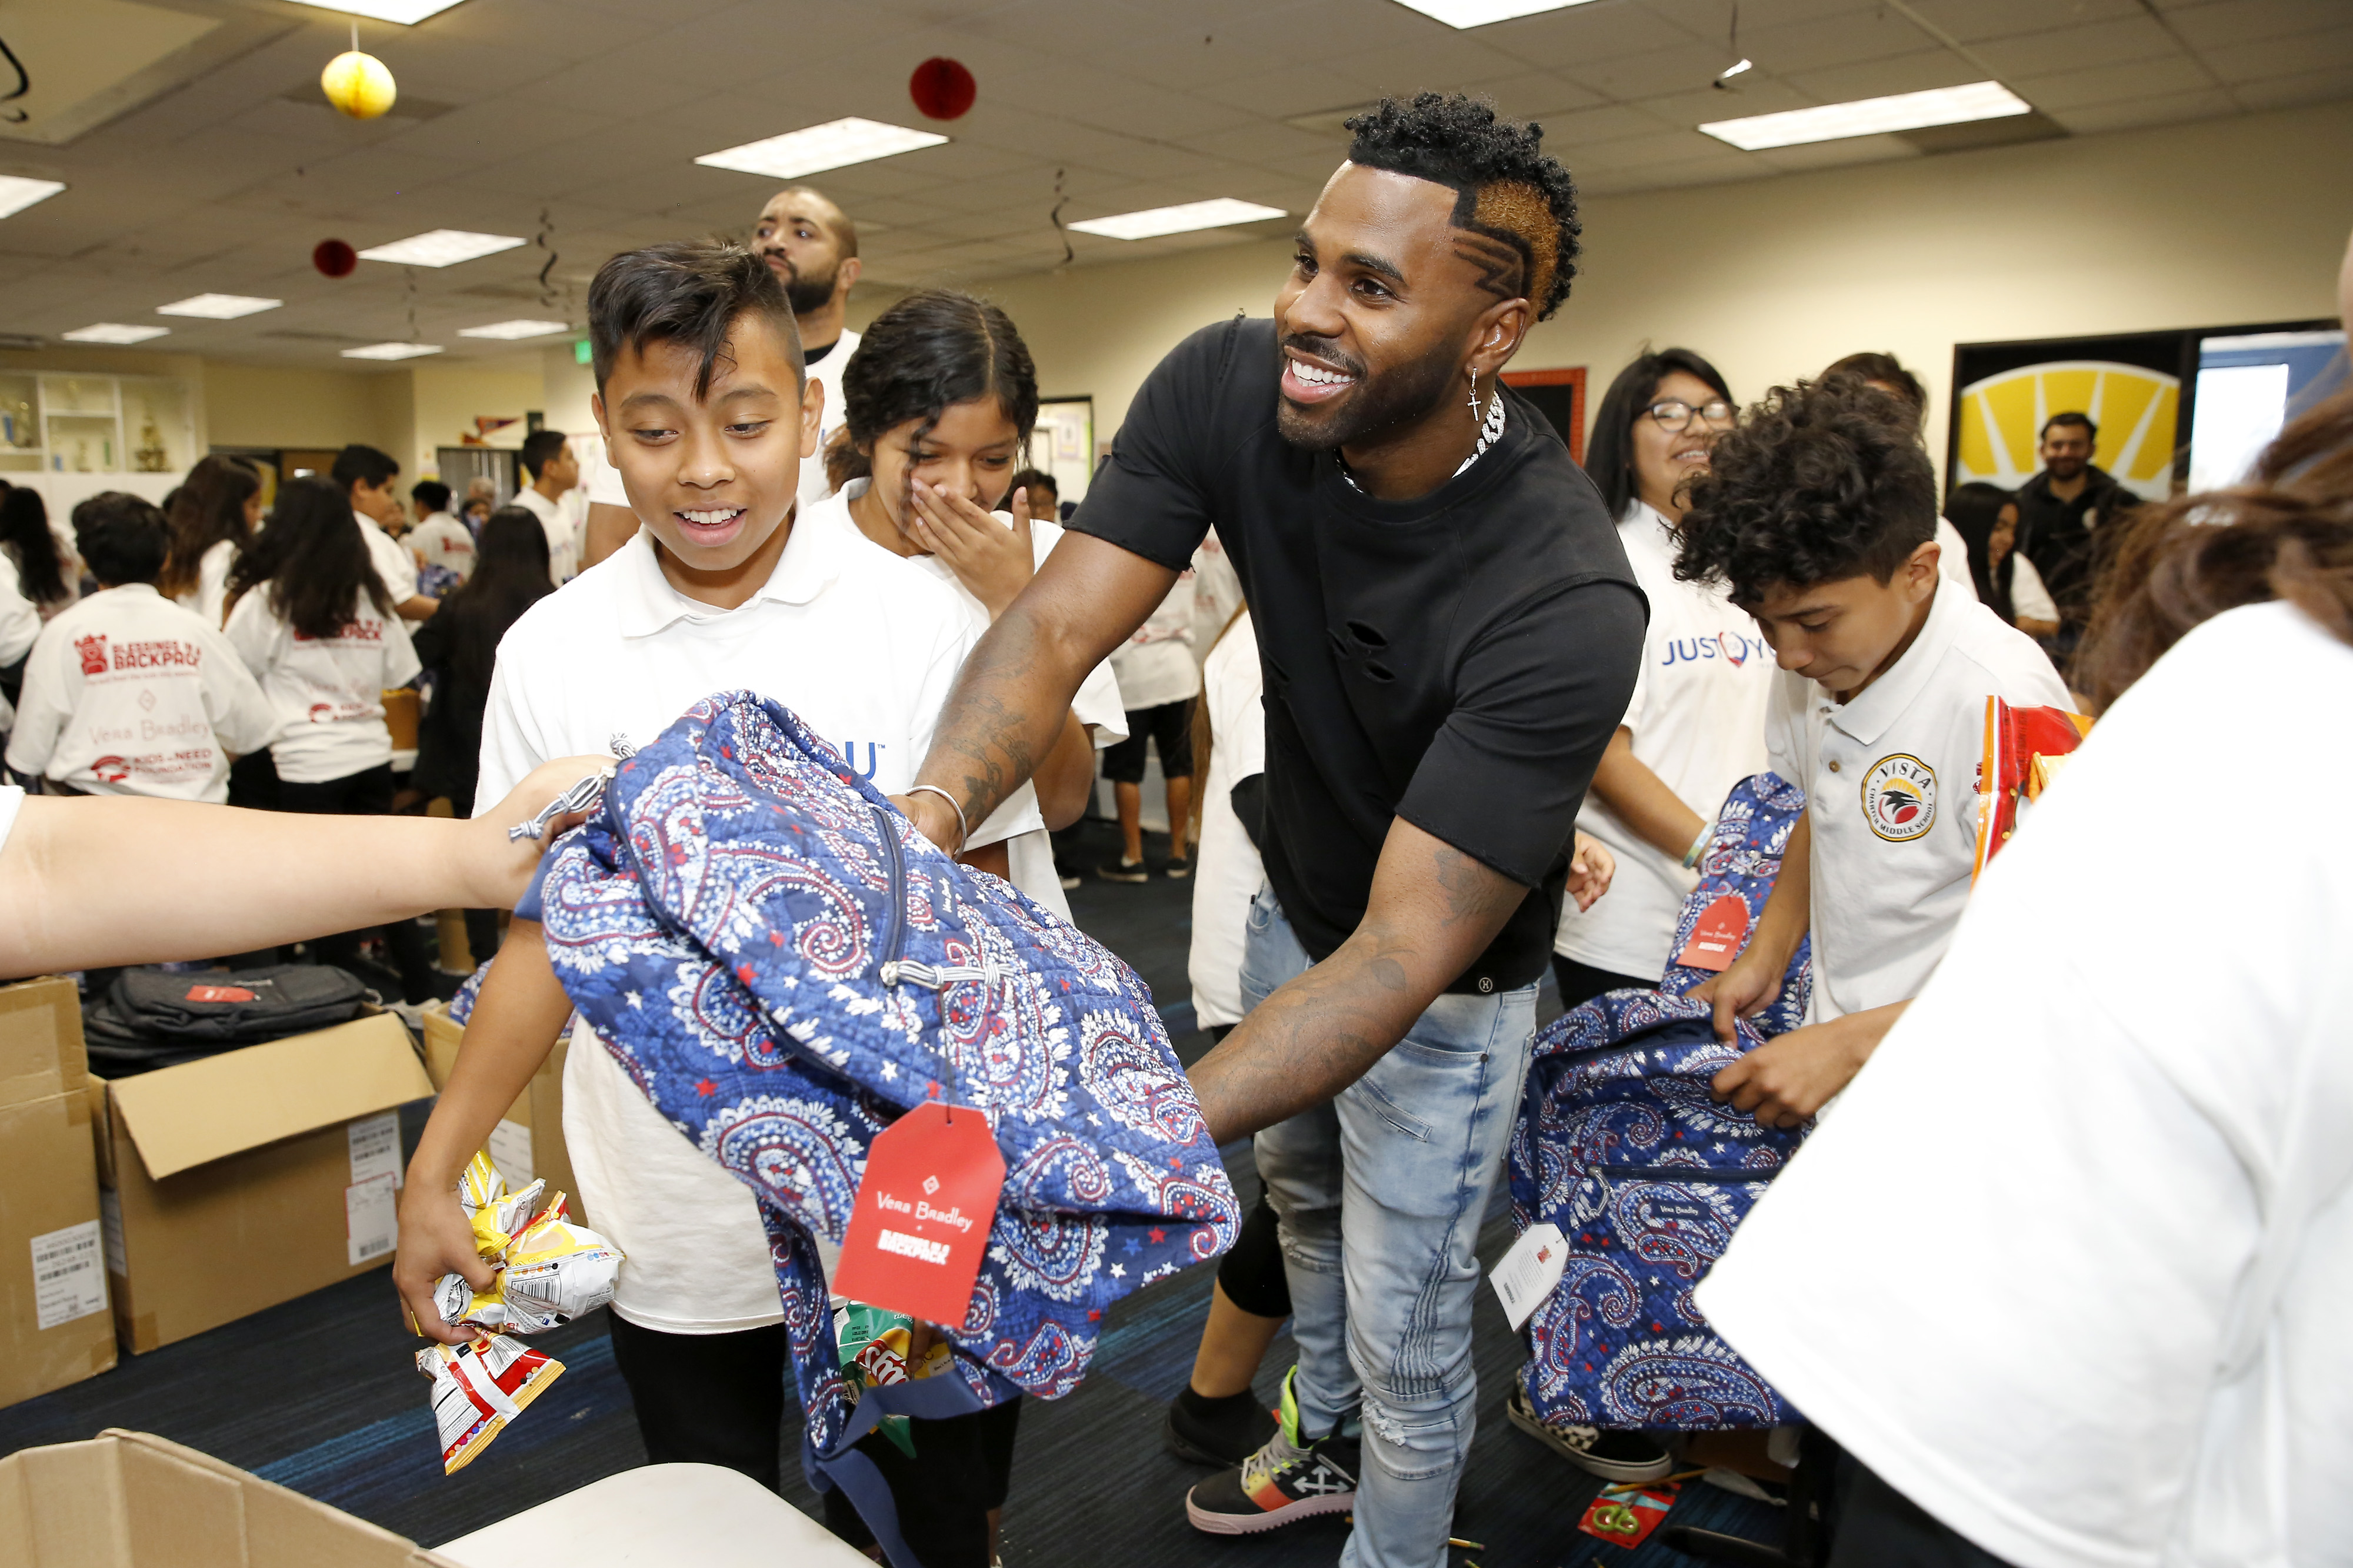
445, 398
285, 406
2216, 223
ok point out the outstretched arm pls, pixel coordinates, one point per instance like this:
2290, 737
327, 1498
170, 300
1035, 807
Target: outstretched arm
1433, 911
1012, 701
215, 880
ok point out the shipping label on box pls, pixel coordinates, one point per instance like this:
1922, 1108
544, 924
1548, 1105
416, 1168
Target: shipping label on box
371, 1218
510, 1152
376, 1147
67, 1279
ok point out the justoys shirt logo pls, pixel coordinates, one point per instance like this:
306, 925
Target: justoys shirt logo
1899, 798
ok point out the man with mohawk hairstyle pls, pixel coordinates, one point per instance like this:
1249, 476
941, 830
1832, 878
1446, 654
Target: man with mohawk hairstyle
1450, 632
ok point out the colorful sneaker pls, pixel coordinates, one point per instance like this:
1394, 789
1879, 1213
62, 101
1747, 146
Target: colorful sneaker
1611, 1454
1285, 1481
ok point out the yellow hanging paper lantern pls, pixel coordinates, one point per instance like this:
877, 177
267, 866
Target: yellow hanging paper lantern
358, 84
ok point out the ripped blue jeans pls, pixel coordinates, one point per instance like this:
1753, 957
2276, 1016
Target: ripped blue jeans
1379, 1193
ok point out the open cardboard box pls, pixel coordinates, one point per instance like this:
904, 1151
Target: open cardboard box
529, 1140
54, 1325
125, 1499
244, 1180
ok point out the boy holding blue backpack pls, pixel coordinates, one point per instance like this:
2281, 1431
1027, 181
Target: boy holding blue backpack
1820, 510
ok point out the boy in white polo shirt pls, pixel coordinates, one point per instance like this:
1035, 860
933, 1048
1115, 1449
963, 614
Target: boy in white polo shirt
705, 410
1820, 514
126, 693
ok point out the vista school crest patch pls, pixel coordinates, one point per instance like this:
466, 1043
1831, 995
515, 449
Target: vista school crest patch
1899, 798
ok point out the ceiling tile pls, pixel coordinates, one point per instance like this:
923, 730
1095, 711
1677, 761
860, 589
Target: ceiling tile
2293, 55
2089, 46
2206, 26
2172, 110
1880, 79
2083, 87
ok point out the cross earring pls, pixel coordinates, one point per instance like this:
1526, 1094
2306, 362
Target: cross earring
1474, 394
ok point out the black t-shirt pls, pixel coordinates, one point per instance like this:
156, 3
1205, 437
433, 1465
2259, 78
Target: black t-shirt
1458, 660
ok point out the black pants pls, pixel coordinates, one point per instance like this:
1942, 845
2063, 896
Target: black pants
1582, 981
719, 1399
1171, 724
1878, 1527
367, 793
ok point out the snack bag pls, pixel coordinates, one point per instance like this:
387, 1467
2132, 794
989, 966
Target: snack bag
2025, 749
1624, 1514
550, 1270
873, 1342
478, 1388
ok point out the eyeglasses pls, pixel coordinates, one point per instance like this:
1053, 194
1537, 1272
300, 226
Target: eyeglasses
1674, 413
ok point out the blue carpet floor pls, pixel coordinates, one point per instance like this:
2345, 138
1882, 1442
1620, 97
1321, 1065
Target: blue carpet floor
344, 1418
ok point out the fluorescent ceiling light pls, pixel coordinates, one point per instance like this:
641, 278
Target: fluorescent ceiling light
17, 192
832, 145
1479, 13
218, 307
408, 13
1153, 222
392, 351
440, 248
516, 329
1871, 116
114, 332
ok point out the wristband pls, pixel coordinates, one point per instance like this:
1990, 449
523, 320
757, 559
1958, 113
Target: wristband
1699, 845
963, 830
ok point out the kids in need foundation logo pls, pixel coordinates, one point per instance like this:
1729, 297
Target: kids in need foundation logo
1899, 798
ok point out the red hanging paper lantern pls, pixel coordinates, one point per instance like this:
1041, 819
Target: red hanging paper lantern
335, 259
943, 88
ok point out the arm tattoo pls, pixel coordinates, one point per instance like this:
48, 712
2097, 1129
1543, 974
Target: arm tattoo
1473, 890
984, 730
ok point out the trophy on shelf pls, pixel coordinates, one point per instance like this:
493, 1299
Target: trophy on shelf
81, 456
150, 457
21, 433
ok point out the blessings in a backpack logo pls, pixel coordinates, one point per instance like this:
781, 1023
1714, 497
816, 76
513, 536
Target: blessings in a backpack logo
1899, 798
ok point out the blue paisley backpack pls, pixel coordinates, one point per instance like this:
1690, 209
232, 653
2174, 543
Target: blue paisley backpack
1620, 1145
782, 965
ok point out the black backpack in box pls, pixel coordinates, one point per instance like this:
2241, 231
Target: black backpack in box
156, 1018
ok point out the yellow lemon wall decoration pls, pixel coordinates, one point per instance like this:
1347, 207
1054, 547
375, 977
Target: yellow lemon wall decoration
2135, 410
358, 84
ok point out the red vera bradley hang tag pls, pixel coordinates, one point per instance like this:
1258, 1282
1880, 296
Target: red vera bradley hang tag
924, 1211
1715, 940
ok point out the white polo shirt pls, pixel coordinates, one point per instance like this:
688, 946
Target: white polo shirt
391, 559
1227, 870
1698, 721
1890, 793
563, 556
128, 693
2069, 1267
1017, 821
1953, 559
864, 654
328, 692
210, 598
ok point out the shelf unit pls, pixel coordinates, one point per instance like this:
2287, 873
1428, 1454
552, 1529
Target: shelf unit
63, 423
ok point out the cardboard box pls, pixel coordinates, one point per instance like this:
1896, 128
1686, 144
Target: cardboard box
529, 1142
402, 713
125, 1499
54, 1324
235, 1182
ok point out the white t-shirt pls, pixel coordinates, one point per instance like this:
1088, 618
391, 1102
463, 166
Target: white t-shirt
391, 559
1017, 821
563, 558
1228, 873
442, 540
1156, 665
1217, 593
1698, 719
328, 692
128, 693
12, 801
1891, 791
2029, 599
20, 618
2069, 1266
210, 599
1954, 559
864, 654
